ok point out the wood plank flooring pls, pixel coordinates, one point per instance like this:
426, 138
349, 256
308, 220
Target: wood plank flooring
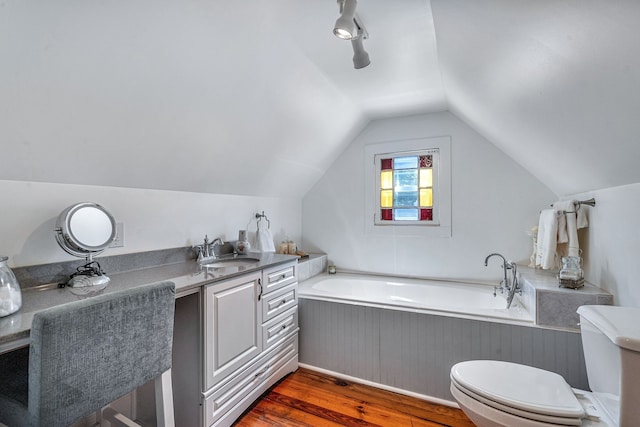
309, 398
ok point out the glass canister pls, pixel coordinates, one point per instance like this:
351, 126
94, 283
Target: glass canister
10, 295
571, 274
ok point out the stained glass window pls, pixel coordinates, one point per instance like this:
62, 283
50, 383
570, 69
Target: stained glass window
406, 187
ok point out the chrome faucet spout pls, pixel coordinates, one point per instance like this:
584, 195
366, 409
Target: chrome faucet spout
505, 266
486, 260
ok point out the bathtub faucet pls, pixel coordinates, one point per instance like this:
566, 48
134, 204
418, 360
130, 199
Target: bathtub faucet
506, 265
504, 284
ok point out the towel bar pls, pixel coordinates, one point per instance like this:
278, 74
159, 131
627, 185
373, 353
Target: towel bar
590, 202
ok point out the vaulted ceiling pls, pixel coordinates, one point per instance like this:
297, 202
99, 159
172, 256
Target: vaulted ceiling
258, 97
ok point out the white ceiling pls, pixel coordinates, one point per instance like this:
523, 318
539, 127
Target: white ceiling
258, 97
554, 84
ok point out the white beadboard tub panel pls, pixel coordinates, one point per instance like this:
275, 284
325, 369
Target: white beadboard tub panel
342, 339
414, 351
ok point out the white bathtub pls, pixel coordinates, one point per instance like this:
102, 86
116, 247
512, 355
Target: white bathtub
405, 334
466, 300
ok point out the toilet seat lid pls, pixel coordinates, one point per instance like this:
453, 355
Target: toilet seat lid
519, 386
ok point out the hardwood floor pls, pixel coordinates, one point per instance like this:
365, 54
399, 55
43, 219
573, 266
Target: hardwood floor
309, 398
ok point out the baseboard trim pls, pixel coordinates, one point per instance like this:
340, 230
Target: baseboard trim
382, 386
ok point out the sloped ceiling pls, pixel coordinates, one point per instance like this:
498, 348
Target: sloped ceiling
554, 84
258, 97
246, 97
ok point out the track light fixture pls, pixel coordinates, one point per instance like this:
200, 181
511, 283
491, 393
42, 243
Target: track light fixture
348, 27
360, 56
345, 27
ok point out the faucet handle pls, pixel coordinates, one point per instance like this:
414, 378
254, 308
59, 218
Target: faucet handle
199, 250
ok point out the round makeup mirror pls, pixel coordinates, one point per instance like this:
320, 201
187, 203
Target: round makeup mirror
85, 229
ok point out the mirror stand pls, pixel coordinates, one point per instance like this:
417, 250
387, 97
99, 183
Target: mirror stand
85, 230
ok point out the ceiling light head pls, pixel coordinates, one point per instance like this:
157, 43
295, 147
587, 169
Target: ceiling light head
343, 32
345, 27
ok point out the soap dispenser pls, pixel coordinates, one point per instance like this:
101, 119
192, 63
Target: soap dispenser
242, 245
10, 295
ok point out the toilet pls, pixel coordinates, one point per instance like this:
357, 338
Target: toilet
496, 393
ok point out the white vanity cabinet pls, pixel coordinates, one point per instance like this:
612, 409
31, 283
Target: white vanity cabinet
249, 341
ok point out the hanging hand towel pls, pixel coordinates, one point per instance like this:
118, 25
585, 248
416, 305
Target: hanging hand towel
582, 220
567, 227
264, 240
547, 239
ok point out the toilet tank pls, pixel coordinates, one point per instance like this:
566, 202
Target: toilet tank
611, 343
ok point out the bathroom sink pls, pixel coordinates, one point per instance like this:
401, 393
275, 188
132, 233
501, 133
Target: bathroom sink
229, 262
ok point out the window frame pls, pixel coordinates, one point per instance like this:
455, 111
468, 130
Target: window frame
435, 186
441, 226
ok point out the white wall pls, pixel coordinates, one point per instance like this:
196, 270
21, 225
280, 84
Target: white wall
153, 219
494, 202
611, 244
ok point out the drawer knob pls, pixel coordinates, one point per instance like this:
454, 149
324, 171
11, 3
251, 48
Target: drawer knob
284, 276
283, 302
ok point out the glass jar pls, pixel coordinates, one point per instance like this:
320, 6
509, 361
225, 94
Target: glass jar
10, 295
571, 274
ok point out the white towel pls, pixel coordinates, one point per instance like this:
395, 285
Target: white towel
562, 207
264, 241
582, 221
568, 226
547, 239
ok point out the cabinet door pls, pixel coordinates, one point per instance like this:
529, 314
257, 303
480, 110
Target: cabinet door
233, 335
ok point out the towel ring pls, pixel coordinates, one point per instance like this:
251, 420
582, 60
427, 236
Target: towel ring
259, 218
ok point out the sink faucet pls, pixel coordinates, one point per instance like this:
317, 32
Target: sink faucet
504, 284
209, 247
206, 250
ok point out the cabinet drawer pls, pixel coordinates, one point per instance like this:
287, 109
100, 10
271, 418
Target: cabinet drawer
278, 277
279, 301
227, 396
279, 327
